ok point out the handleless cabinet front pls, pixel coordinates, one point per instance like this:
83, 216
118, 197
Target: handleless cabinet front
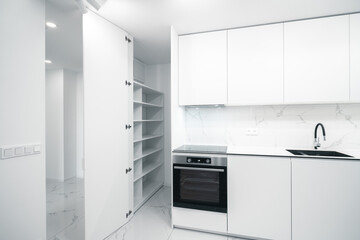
316, 60
203, 68
259, 197
355, 57
255, 65
326, 199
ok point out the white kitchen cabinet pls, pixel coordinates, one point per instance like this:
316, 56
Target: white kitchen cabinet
259, 197
203, 68
355, 57
326, 197
107, 109
316, 60
255, 65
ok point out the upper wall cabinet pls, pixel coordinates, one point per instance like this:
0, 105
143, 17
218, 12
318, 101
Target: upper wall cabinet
255, 65
355, 57
317, 60
203, 68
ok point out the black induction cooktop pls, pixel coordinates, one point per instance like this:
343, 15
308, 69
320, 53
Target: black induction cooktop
201, 149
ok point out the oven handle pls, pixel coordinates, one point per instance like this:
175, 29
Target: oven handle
201, 169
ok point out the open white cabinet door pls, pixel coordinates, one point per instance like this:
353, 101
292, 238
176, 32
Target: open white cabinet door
107, 107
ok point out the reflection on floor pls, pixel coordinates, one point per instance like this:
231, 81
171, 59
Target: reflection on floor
65, 217
65, 209
152, 222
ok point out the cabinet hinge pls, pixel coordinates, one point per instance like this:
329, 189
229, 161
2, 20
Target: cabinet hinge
127, 126
128, 170
128, 213
127, 39
127, 83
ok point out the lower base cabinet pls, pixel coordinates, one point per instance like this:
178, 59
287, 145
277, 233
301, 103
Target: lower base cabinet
325, 200
259, 197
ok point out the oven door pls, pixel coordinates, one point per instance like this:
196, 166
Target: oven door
200, 187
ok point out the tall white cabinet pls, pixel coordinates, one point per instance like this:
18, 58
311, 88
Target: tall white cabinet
355, 57
317, 60
203, 68
259, 197
107, 111
255, 65
325, 199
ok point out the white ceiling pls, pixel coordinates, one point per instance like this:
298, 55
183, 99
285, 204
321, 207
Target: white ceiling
64, 43
149, 21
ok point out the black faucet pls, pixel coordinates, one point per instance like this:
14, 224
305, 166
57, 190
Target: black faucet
316, 139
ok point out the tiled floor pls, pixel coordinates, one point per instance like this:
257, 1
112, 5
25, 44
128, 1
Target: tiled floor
65, 209
152, 221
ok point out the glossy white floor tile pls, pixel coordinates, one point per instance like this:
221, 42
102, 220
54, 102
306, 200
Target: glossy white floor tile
65, 217
153, 222
65, 209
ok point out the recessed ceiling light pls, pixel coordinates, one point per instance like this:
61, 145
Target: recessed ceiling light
50, 24
48, 61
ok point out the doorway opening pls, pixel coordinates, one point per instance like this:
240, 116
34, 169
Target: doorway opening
64, 121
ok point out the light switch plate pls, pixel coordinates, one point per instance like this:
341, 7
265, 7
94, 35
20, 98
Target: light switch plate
37, 148
29, 149
19, 151
8, 152
15, 151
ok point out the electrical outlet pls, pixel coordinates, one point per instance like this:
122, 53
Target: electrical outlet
251, 132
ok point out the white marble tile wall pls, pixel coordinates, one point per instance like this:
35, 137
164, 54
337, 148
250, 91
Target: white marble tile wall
289, 126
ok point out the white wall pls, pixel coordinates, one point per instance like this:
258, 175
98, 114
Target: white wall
289, 126
55, 124
22, 118
158, 77
177, 113
61, 124
70, 114
80, 126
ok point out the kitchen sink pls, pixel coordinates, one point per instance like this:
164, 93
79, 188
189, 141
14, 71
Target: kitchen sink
318, 153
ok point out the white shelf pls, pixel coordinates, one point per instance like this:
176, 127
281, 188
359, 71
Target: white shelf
145, 104
148, 120
147, 152
149, 189
147, 137
147, 89
148, 158
148, 169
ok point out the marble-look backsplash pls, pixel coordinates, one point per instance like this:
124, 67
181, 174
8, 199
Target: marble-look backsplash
289, 126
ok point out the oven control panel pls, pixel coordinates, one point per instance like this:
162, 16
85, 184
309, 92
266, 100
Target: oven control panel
198, 160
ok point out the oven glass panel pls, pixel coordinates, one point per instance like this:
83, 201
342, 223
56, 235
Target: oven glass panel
199, 186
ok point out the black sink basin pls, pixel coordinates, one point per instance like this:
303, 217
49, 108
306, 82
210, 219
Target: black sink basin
317, 153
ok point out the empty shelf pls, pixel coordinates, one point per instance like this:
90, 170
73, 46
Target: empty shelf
149, 189
147, 89
147, 137
147, 152
145, 104
147, 169
148, 120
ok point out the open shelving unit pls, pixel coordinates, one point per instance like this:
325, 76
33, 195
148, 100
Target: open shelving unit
148, 142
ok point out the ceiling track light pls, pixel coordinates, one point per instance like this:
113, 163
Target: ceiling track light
50, 25
48, 61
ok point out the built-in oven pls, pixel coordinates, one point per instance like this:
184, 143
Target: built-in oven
200, 182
